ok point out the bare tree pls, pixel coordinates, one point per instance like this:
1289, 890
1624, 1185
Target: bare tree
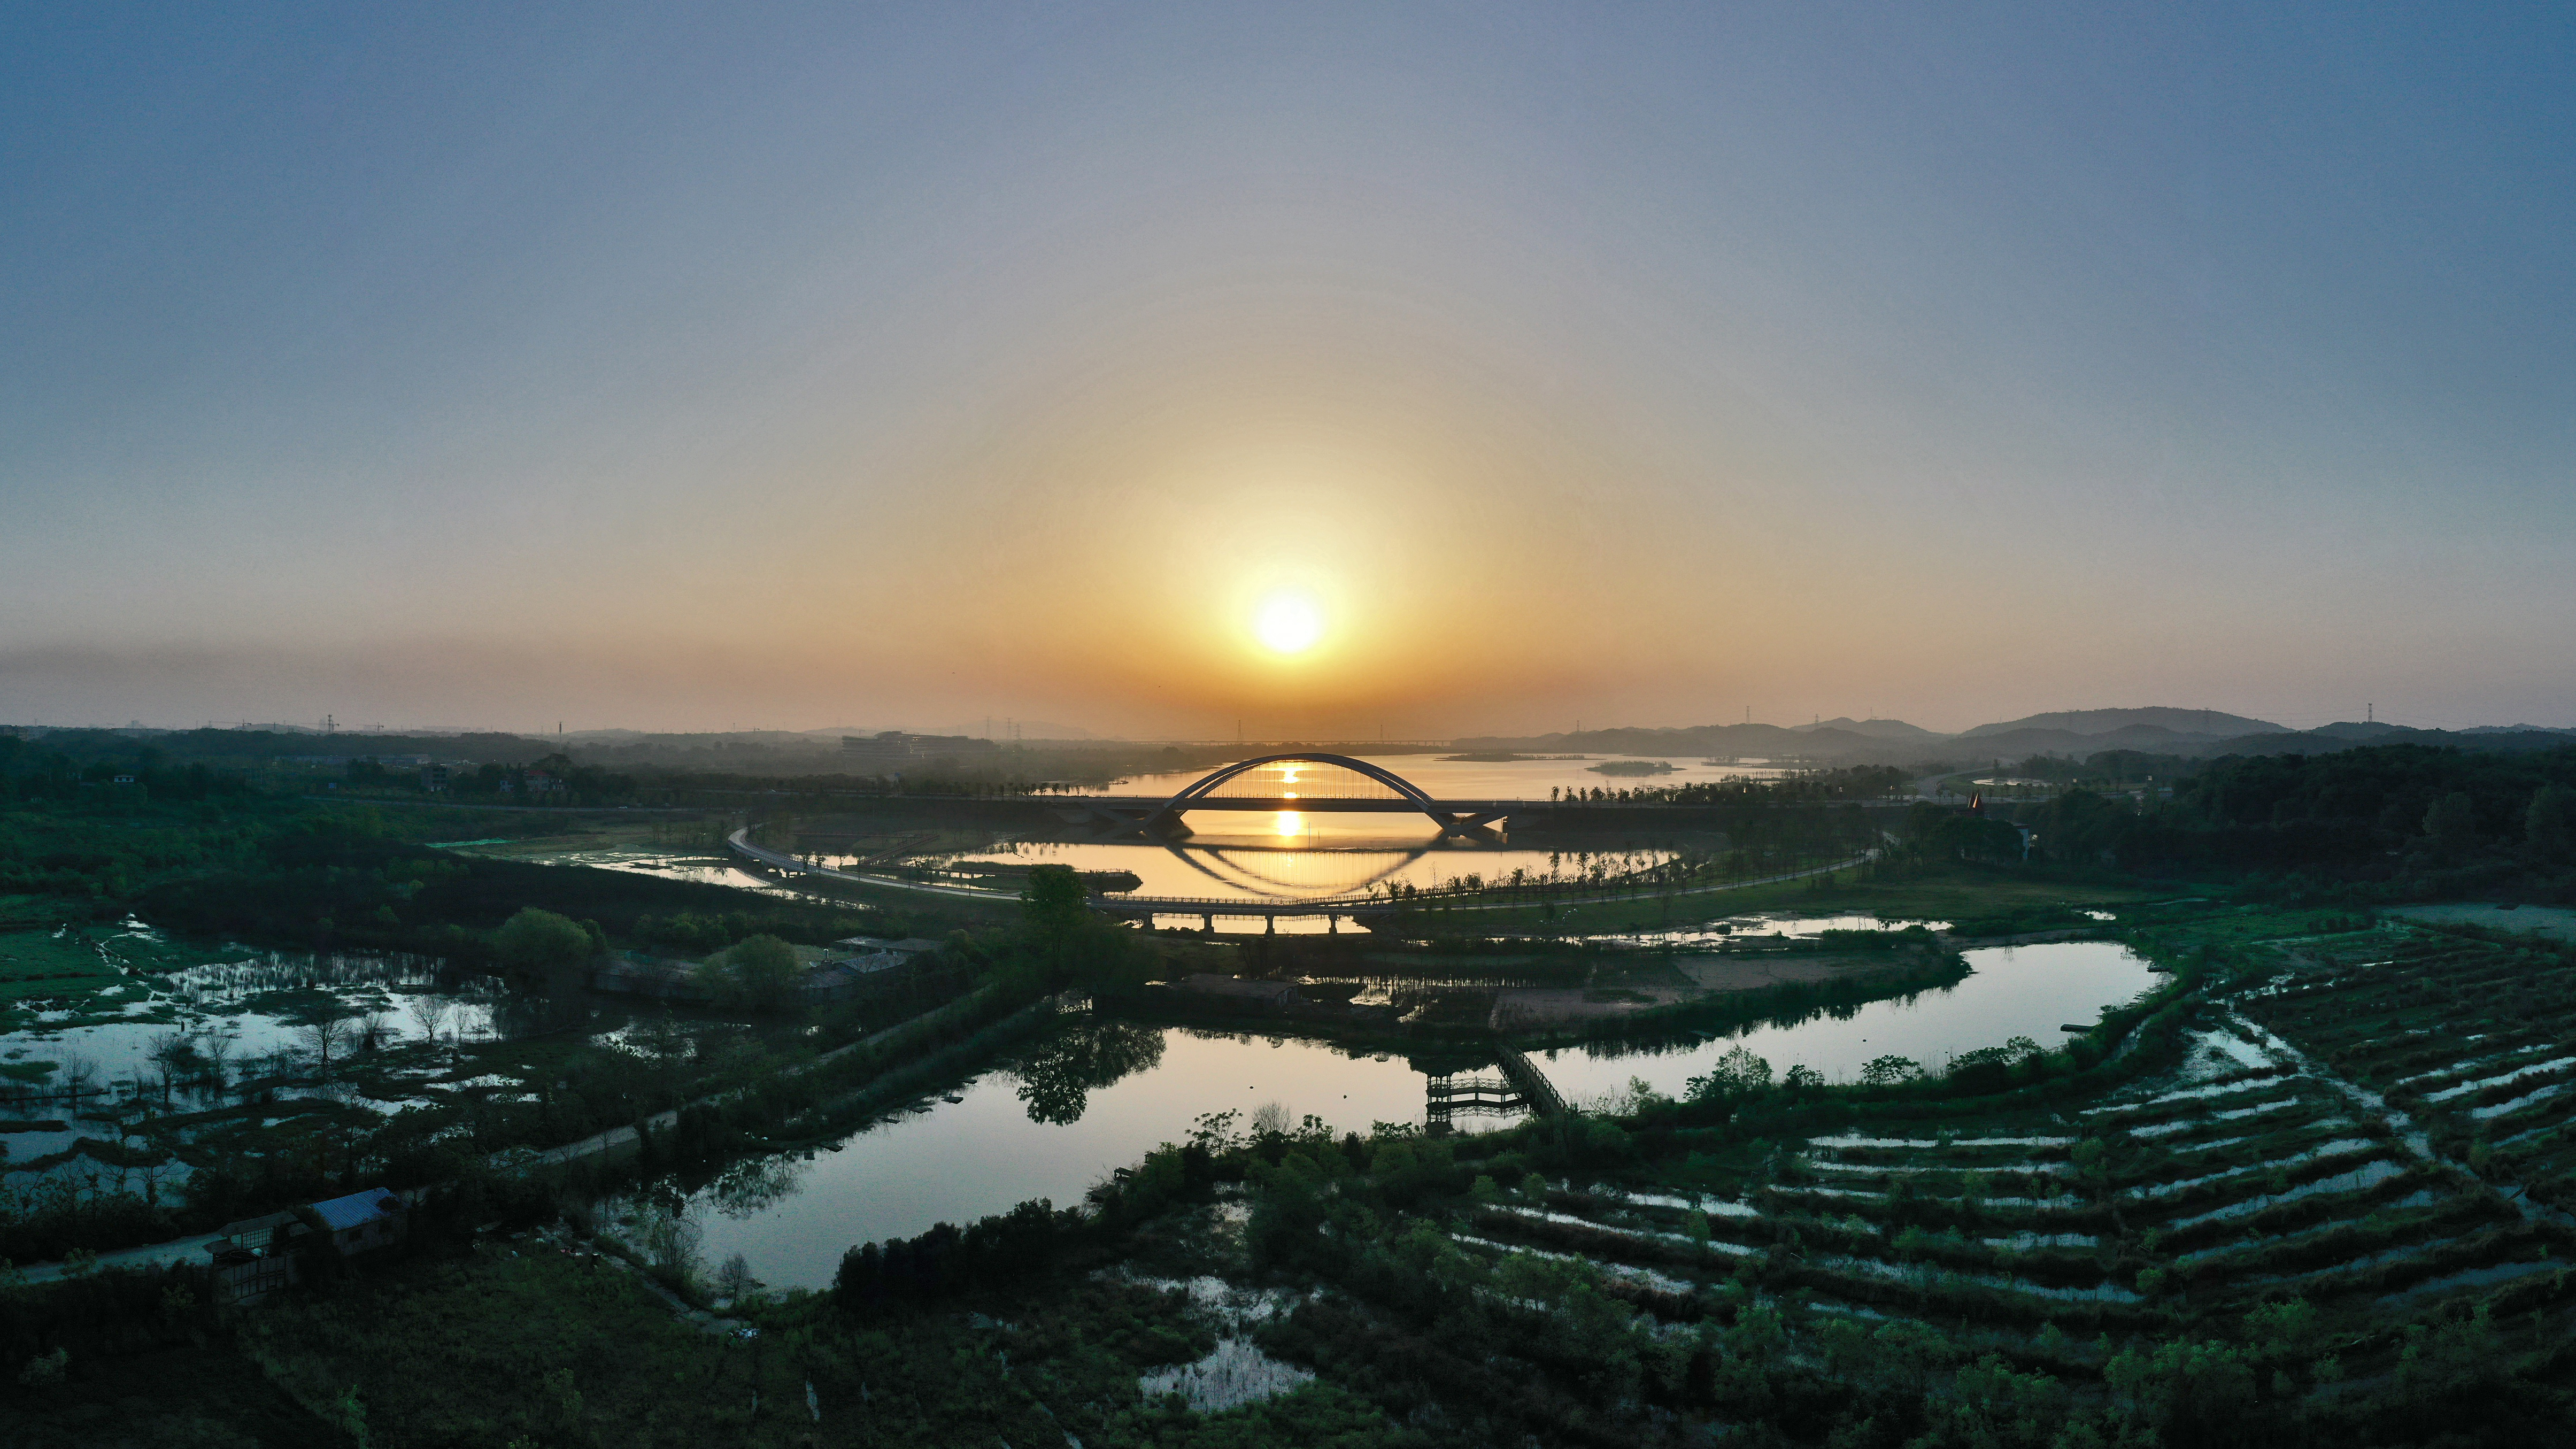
431, 1012
78, 1072
217, 1054
324, 1035
371, 1030
734, 1278
173, 1056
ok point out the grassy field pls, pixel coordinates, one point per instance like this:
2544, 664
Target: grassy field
90, 970
539, 1341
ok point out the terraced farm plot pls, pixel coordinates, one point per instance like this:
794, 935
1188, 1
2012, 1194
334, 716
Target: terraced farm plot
2470, 1045
2305, 1185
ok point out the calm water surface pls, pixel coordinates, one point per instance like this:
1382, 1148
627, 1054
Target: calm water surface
1245, 866
247, 1006
2017, 991
1465, 779
983, 1154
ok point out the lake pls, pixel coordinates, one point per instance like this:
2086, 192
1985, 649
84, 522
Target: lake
2016, 991
984, 1153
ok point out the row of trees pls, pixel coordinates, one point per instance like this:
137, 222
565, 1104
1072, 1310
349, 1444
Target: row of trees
2369, 814
1807, 787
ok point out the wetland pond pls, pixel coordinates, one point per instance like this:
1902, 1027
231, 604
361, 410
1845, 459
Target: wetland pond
1016, 1133
243, 1014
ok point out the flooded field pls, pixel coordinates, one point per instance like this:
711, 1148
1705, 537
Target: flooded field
224, 1038
2313, 1144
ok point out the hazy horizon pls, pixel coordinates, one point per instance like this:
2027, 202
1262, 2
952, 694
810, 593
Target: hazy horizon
671, 368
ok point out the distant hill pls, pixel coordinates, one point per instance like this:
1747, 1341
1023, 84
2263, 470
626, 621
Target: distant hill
209, 745
2352, 730
2330, 739
2089, 723
2149, 739
1876, 729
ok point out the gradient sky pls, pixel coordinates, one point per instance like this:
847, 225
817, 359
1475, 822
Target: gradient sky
795, 366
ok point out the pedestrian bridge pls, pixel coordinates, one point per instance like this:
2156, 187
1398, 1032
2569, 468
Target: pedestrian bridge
1266, 782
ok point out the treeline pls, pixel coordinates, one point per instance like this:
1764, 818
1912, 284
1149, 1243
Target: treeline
989, 1254
1812, 787
45, 772
331, 883
2389, 821
245, 747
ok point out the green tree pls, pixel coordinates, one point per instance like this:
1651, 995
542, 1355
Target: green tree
1054, 907
2452, 825
1066, 942
2195, 1393
543, 948
758, 973
2549, 824
1739, 1073
1888, 1070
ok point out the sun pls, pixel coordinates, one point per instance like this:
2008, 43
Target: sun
1288, 622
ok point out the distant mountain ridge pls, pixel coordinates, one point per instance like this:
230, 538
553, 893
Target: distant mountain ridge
2205, 723
2156, 730
1876, 729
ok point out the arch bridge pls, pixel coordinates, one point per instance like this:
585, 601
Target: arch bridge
1161, 818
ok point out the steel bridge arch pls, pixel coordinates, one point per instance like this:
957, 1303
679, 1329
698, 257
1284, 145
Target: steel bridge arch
1405, 789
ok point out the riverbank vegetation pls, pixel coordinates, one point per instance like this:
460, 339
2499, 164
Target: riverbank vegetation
2314, 1189
2194, 1223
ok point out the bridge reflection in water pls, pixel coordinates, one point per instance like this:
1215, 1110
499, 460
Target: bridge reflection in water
1298, 789
1475, 1096
1300, 782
